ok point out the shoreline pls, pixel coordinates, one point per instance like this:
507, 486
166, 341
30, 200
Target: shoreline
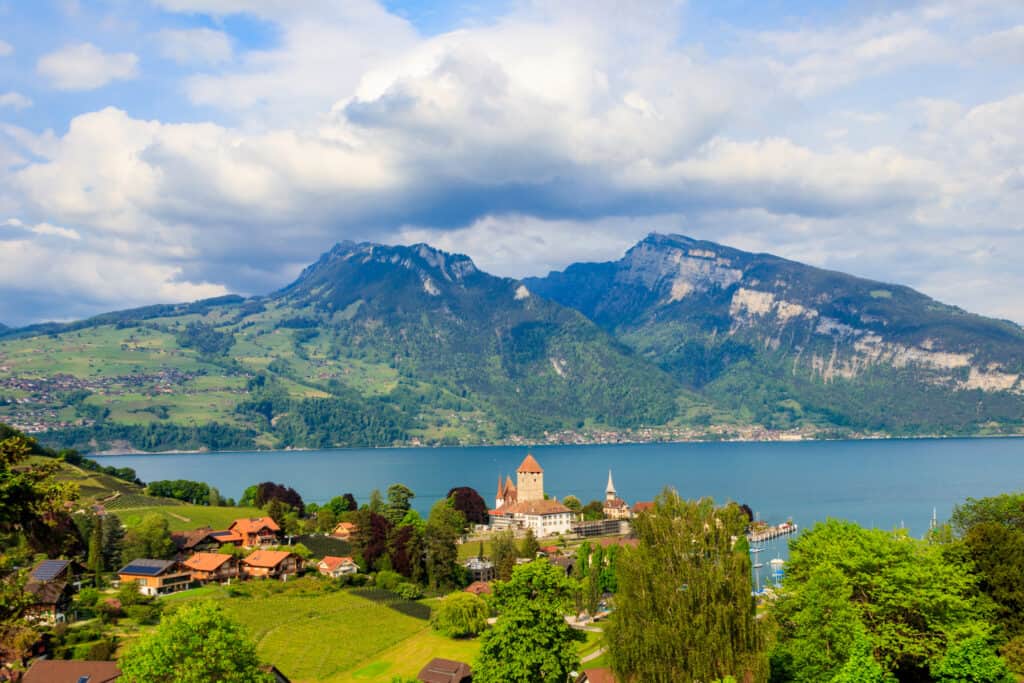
119, 452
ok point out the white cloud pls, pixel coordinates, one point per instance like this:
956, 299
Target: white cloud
44, 229
84, 66
6, 49
195, 46
14, 100
1007, 44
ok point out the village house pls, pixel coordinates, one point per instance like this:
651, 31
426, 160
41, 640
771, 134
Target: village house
71, 671
155, 577
203, 540
51, 585
344, 531
614, 507
337, 566
256, 532
524, 506
271, 564
208, 567
643, 506
480, 569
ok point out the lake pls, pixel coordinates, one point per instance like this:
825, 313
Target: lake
877, 483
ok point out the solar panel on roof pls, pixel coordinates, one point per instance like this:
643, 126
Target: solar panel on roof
142, 569
47, 570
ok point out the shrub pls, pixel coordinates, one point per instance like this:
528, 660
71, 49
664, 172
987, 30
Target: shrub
143, 614
1013, 653
88, 597
388, 580
461, 615
409, 591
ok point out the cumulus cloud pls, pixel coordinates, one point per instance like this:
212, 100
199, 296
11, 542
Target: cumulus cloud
14, 100
83, 66
195, 46
557, 132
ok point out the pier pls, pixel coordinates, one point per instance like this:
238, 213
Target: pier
769, 532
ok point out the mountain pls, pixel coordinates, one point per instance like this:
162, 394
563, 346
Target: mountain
781, 343
378, 345
371, 345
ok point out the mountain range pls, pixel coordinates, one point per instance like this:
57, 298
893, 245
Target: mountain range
380, 345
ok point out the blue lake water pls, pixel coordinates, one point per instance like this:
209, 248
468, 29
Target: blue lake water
875, 483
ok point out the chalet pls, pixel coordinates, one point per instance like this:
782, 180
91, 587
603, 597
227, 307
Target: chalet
71, 671
155, 577
203, 540
256, 531
445, 671
50, 584
344, 530
208, 567
337, 566
271, 564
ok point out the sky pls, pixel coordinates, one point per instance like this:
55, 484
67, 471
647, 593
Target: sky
170, 150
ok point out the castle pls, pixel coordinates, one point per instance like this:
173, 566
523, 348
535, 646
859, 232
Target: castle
529, 484
523, 505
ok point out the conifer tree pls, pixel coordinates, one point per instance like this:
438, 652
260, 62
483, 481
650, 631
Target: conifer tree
684, 610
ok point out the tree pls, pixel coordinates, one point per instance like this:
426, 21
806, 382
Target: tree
592, 511
16, 636
150, 539
573, 503
277, 511
32, 500
268, 491
370, 541
343, 503
503, 554
529, 547
467, 501
862, 667
95, 557
972, 661
113, 541
684, 609
376, 504
444, 525
531, 642
399, 496
910, 598
197, 644
461, 615
214, 499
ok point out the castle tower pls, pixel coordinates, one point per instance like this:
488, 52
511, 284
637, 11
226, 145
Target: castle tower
499, 497
609, 491
530, 478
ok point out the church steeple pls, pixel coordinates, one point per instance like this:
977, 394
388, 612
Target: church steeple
609, 491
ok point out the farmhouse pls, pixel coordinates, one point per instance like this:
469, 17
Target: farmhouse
207, 567
256, 531
50, 584
271, 564
337, 566
203, 540
344, 531
155, 577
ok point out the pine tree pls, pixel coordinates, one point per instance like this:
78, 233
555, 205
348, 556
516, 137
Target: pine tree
95, 560
530, 547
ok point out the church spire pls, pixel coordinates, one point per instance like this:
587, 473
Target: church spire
610, 489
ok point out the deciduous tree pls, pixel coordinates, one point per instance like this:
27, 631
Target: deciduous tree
531, 642
200, 643
460, 615
467, 501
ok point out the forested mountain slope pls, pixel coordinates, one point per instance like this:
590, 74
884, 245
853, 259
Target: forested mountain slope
778, 341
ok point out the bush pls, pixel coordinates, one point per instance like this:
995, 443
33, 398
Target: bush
1013, 653
461, 615
409, 591
388, 580
102, 650
143, 614
88, 597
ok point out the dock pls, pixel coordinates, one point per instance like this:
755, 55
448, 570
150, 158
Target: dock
776, 531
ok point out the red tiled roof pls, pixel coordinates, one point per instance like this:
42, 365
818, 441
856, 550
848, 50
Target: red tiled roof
330, 563
253, 525
615, 503
266, 558
531, 465
478, 588
599, 676
641, 506
206, 562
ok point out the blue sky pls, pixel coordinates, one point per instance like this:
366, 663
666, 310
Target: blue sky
165, 150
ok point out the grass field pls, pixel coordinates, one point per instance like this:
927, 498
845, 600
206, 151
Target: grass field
185, 517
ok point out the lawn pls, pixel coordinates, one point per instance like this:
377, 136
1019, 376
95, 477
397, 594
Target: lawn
187, 517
